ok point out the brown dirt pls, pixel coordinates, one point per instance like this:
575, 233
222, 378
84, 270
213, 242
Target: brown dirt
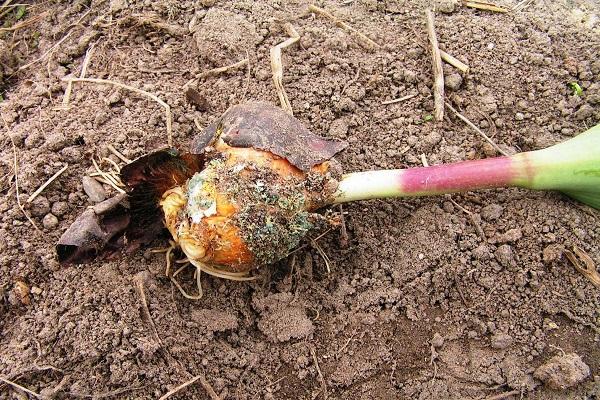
491, 291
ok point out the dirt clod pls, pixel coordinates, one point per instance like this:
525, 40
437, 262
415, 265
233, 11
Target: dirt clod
563, 371
453, 81
50, 221
501, 341
282, 318
223, 37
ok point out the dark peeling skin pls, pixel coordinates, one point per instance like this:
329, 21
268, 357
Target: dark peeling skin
262, 126
97, 231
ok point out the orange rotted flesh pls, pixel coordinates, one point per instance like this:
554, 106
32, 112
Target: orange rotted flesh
247, 208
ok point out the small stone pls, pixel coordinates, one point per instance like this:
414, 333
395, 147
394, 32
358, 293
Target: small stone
101, 118
552, 253
339, 128
505, 256
551, 326
445, 6
431, 140
481, 252
584, 112
594, 98
519, 116
410, 76
263, 74
448, 207
437, 341
36, 290
511, 235
40, 206
114, 98
197, 99
453, 82
50, 221
73, 198
501, 341
60, 208
492, 212
93, 189
562, 371
117, 5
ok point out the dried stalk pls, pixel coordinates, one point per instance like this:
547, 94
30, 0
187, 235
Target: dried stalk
277, 67
438, 72
456, 63
484, 5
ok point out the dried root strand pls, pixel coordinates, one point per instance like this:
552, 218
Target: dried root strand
16, 174
121, 157
277, 67
108, 177
185, 294
522, 5
25, 23
401, 99
200, 267
220, 70
21, 388
84, 67
139, 285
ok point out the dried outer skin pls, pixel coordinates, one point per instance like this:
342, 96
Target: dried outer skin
98, 230
262, 126
126, 222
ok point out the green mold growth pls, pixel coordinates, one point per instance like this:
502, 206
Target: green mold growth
272, 211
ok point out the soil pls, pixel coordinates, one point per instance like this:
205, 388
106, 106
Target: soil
423, 300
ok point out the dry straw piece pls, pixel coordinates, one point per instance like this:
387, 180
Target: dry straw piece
455, 62
399, 100
438, 72
84, 66
484, 5
277, 67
